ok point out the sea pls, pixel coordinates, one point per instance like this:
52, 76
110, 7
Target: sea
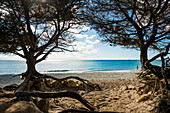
71, 66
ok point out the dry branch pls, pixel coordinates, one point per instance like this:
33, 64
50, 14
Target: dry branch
56, 95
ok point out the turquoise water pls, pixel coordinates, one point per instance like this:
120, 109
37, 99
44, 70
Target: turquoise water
16, 67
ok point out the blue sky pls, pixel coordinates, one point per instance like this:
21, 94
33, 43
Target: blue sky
89, 47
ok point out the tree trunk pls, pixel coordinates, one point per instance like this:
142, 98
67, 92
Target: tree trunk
143, 56
31, 71
31, 62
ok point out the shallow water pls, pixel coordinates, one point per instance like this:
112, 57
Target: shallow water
16, 67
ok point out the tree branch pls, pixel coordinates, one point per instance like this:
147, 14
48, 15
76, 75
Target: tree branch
16, 53
139, 30
159, 55
46, 54
56, 95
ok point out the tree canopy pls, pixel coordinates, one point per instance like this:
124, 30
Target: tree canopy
139, 24
33, 29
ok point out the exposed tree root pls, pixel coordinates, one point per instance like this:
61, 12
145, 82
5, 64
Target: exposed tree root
157, 80
93, 86
56, 95
156, 69
23, 93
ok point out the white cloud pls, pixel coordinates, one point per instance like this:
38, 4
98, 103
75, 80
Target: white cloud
89, 49
77, 28
84, 49
97, 41
93, 42
32, 28
91, 37
76, 31
80, 36
73, 30
85, 28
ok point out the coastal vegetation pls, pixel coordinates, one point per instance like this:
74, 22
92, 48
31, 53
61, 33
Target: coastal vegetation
136, 24
133, 24
32, 29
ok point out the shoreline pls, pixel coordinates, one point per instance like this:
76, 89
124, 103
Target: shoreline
107, 75
48, 73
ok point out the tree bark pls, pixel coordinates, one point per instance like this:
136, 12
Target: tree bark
31, 62
156, 69
143, 56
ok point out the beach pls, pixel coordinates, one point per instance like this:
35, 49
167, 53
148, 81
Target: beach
112, 97
107, 75
91, 56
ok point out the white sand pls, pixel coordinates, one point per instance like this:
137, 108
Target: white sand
127, 74
110, 75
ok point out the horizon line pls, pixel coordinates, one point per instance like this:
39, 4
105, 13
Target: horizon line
79, 59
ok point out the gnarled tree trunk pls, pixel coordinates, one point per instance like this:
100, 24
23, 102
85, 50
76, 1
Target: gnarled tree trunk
31, 62
143, 56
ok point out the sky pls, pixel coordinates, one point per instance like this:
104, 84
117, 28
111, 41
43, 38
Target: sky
89, 47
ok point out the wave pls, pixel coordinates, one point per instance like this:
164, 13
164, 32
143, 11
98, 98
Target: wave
58, 70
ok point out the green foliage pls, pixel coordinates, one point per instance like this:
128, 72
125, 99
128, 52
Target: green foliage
147, 77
